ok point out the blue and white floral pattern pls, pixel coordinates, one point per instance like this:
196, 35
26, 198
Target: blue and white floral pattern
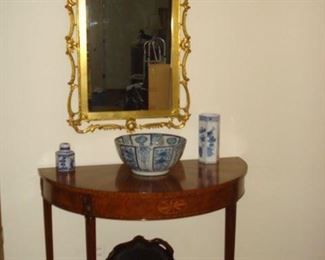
141, 139
143, 151
157, 139
65, 159
202, 138
162, 157
126, 139
129, 156
208, 138
211, 141
172, 140
150, 154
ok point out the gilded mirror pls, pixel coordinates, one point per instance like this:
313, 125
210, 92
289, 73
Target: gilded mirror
128, 60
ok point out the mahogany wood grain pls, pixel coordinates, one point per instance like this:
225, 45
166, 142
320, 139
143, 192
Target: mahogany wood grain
230, 232
114, 192
47, 210
91, 237
189, 189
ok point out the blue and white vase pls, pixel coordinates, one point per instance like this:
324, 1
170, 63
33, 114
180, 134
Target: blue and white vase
65, 159
209, 125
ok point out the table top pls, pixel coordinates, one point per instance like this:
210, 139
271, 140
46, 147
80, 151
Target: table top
113, 191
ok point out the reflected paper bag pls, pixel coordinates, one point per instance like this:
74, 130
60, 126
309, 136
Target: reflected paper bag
160, 86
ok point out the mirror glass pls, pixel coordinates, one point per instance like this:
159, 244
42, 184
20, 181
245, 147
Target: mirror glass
129, 54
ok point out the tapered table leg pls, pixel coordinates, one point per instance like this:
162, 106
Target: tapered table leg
91, 237
230, 232
47, 213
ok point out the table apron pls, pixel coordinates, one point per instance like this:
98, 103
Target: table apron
150, 206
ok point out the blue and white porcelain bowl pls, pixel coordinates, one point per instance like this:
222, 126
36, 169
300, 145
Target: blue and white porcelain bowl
150, 154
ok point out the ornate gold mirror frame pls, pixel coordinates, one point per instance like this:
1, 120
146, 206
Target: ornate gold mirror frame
84, 121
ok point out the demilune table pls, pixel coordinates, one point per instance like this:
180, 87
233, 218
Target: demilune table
114, 192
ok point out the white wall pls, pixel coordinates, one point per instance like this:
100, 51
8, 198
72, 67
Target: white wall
260, 64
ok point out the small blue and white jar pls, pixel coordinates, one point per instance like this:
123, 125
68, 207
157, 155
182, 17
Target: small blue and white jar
65, 159
209, 128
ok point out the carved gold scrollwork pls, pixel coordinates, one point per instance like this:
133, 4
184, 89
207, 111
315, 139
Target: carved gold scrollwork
79, 120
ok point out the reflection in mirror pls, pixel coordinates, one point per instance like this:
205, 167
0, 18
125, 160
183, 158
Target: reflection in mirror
129, 55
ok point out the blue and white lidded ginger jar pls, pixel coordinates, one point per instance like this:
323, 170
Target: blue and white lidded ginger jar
65, 159
209, 127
